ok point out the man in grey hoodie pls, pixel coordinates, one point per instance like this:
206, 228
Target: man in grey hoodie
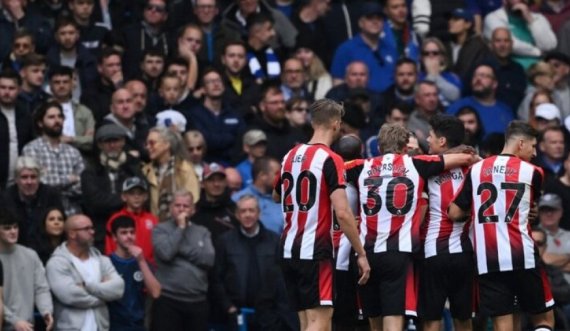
82, 279
25, 284
184, 253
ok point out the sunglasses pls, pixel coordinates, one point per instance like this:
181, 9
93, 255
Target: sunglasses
430, 53
157, 8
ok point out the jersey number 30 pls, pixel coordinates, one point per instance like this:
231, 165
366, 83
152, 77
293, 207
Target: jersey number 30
374, 201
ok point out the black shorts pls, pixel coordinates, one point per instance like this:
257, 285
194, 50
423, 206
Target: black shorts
530, 288
448, 276
391, 289
309, 283
347, 307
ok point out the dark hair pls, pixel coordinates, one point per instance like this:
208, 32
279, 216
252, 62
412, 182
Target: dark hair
207, 71
23, 33
41, 242
404, 108
406, 60
7, 216
270, 86
11, 74
64, 21
152, 52
60, 71
122, 222
40, 112
33, 59
179, 61
234, 43
550, 128
106, 53
166, 76
449, 127
183, 29
520, 128
492, 144
261, 165
486, 64
258, 19
349, 147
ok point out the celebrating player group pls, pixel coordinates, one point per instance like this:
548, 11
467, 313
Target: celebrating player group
415, 231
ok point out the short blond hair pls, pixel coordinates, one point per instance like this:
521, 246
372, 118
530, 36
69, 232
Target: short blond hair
325, 111
392, 138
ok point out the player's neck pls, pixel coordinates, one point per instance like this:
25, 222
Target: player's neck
322, 137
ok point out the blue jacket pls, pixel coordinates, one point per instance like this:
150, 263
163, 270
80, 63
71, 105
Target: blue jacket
411, 49
494, 118
271, 212
222, 132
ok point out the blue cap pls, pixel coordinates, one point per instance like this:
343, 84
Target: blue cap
371, 9
462, 13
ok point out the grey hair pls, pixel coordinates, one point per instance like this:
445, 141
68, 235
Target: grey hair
174, 139
27, 162
182, 193
248, 197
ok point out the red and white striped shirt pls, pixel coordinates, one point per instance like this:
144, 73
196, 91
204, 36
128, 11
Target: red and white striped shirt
443, 236
309, 174
500, 191
341, 244
390, 188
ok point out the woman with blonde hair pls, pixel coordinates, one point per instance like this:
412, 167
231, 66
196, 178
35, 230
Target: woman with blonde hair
168, 170
541, 77
435, 68
319, 81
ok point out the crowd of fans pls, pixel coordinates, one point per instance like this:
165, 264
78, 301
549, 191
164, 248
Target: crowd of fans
139, 139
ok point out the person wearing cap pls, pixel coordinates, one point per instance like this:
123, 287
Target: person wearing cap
466, 47
532, 34
551, 152
134, 196
254, 146
560, 62
558, 240
369, 48
215, 210
546, 115
102, 179
220, 125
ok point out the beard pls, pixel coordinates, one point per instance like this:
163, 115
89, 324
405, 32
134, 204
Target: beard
484, 93
53, 132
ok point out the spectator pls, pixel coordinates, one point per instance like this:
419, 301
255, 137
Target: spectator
467, 47
564, 38
78, 122
435, 68
561, 187
546, 115
405, 79
262, 59
97, 97
368, 48
140, 100
16, 128
541, 77
61, 163
280, 135
82, 280
189, 43
293, 80
240, 90
247, 274
196, 146
215, 211
308, 19
216, 35
400, 114
234, 180
254, 146
123, 114
22, 45
17, 15
148, 33
551, 151
151, 67
427, 106
494, 115
236, 17
179, 67
29, 199
297, 113
170, 89
49, 233
472, 124
128, 313
220, 125
263, 172
319, 81
134, 194
532, 34
32, 72
91, 35
184, 254
69, 51
557, 239
24, 278
101, 181
557, 12
398, 34
512, 80
560, 62
168, 170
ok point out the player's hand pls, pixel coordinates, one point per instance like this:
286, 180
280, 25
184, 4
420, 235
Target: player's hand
533, 214
461, 149
48, 319
363, 268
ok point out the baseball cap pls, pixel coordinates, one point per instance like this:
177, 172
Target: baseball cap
550, 200
556, 55
548, 111
253, 137
110, 131
134, 182
462, 13
212, 169
370, 8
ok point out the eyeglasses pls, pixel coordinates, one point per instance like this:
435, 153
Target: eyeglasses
197, 148
157, 8
85, 228
22, 45
430, 53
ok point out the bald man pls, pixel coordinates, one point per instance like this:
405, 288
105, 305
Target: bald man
234, 179
82, 279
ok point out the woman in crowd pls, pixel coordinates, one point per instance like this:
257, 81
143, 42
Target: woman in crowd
539, 97
319, 81
541, 77
50, 233
435, 68
168, 171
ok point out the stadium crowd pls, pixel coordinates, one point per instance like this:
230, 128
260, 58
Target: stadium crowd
140, 142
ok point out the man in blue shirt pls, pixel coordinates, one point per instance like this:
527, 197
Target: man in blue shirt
127, 314
369, 48
495, 115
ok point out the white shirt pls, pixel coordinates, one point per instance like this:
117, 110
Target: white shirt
10, 114
90, 271
69, 120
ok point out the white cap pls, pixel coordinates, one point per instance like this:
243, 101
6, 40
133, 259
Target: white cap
167, 118
548, 111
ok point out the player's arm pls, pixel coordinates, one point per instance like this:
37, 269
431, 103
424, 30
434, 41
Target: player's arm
460, 208
277, 187
452, 161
